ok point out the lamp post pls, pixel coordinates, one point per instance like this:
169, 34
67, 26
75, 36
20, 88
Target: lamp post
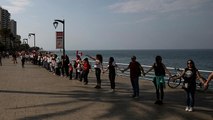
55, 24
34, 37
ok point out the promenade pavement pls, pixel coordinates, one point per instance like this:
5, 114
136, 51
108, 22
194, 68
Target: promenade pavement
33, 93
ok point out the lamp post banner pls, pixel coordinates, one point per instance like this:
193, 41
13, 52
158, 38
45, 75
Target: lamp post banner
59, 40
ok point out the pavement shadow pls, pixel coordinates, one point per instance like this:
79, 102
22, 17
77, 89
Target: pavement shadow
123, 106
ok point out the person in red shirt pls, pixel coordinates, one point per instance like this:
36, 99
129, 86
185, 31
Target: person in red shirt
85, 72
135, 72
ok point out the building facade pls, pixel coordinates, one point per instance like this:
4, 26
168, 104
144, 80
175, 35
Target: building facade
4, 27
8, 30
13, 27
4, 18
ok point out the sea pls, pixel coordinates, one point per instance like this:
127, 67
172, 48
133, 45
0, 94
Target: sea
173, 58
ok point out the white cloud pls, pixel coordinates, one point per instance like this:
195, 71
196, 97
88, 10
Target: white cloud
137, 6
16, 6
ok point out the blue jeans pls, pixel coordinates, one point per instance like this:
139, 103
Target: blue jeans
190, 98
135, 86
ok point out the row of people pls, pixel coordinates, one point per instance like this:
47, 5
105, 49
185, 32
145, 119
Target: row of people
190, 74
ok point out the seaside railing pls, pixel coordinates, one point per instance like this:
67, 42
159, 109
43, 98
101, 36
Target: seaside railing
150, 75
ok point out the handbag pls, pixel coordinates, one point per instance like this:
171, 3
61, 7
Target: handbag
185, 86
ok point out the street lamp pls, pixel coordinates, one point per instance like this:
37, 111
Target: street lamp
55, 24
34, 37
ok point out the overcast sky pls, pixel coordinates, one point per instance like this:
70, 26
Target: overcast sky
116, 24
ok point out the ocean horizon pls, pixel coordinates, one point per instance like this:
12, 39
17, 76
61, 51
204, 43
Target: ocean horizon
177, 58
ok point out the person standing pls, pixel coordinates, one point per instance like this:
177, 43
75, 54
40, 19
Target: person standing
159, 82
77, 66
14, 55
98, 67
111, 67
70, 70
62, 65
85, 70
135, 71
190, 74
58, 65
23, 59
66, 67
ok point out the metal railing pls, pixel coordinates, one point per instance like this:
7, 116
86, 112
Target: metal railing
151, 75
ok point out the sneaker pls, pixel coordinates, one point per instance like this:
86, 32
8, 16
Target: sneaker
112, 90
187, 108
190, 109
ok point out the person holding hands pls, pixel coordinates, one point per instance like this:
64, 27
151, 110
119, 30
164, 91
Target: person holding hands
190, 74
135, 72
159, 82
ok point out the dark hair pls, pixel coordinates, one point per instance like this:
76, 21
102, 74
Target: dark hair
86, 59
111, 60
133, 58
191, 62
158, 59
99, 57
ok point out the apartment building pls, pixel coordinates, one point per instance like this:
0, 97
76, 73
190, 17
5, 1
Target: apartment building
12, 39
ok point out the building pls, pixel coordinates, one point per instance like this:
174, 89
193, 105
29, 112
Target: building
4, 27
8, 31
13, 27
4, 18
13, 33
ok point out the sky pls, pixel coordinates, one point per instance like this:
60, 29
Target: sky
115, 24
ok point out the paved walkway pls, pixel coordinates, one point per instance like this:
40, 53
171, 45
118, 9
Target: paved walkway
32, 93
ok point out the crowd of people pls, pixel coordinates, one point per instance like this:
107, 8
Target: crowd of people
64, 67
